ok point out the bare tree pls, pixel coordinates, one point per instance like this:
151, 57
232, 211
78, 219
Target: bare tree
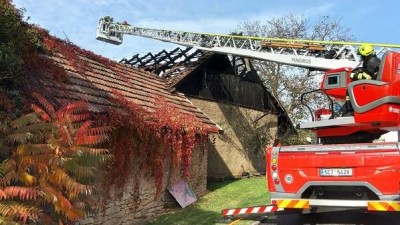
287, 83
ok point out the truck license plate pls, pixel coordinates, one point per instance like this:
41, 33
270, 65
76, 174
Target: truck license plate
336, 172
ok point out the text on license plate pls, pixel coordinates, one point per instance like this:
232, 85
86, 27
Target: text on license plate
336, 172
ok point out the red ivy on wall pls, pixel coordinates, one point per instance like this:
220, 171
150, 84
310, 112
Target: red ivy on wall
153, 137
71, 53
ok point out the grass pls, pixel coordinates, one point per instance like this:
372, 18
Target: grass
225, 194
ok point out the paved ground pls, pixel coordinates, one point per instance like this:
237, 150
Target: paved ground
334, 218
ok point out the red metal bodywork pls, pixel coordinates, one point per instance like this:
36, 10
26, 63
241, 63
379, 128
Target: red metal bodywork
338, 92
377, 119
379, 168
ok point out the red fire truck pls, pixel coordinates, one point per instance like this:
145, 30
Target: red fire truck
341, 171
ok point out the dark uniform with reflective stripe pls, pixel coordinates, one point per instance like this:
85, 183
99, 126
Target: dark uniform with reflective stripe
370, 66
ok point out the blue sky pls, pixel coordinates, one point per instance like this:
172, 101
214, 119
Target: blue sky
369, 20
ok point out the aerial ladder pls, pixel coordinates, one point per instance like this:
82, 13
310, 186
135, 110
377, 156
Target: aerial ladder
347, 170
312, 54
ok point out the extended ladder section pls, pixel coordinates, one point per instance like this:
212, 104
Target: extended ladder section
318, 55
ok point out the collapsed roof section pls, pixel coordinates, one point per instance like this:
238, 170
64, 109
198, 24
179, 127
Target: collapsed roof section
178, 63
173, 65
182, 69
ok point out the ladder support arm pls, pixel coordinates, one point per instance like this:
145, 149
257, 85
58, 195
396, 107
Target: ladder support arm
318, 55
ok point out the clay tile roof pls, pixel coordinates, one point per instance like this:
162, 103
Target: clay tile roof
101, 76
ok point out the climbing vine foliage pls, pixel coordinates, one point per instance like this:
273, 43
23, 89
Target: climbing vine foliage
55, 162
152, 138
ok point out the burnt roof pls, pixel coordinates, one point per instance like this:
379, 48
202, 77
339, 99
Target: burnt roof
172, 66
178, 64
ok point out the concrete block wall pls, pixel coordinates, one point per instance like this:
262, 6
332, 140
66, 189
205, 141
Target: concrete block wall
237, 151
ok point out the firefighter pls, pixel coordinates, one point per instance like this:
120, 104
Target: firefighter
108, 19
368, 71
370, 67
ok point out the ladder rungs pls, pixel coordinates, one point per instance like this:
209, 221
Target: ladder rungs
292, 45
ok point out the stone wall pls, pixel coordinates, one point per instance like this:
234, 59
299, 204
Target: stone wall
138, 204
240, 149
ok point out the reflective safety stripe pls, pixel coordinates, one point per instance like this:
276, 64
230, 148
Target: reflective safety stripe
307, 203
251, 210
295, 204
370, 205
384, 206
